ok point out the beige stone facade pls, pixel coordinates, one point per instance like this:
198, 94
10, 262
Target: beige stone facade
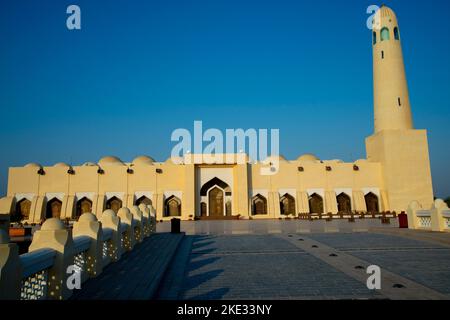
395, 173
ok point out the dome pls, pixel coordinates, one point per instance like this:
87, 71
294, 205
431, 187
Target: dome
33, 165
308, 157
385, 16
110, 160
89, 164
87, 217
53, 224
61, 165
387, 12
174, 160
143, 160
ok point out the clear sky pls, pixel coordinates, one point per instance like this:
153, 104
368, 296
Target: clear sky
140, 69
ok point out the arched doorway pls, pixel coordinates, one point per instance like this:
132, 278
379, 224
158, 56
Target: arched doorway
114, 204
372, 203
23, 208
315, 204
216, 202
215, 199
143, 200
287, 205
172, 207
53, 209
84, 205
259, 205
344, 203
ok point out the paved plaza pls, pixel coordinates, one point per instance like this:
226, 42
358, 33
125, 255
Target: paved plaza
305, 260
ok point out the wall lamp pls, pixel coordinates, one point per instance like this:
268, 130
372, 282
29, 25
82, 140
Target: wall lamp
100, 171
41, 172
159, 171
130, 171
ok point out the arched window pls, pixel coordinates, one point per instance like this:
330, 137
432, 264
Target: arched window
287, 205
374, 37
53, 209
23, 208
396, 34
259, 205
315, 204
385, 34
114, 204
172, 207
372, 203
143, 200
84, 205
344, 203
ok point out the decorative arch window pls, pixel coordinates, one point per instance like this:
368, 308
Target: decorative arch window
287, 205
53, 209
144, 200
374, 37
216, 202
172, 207
372, 203
23, 208
84, 205
259, 205
315, 204
344, 203
114, 204
385, 34
396, 34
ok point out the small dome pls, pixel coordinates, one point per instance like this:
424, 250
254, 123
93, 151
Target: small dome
110, 160
175, 160
87, 217
89, 164
387, 12
33, 165
61, 165
308, 157
53, 224
143, 160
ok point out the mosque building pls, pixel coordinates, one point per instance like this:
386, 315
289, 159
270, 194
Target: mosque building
395, 173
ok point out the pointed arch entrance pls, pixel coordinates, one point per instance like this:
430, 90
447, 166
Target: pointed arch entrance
215, 199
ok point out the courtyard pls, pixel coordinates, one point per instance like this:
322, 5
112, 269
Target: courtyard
286, 260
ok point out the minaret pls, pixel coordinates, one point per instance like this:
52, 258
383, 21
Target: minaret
401, 150
390, 89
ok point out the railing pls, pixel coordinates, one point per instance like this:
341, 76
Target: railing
81, 245
437, 218
384, 216
35, 273
88, 247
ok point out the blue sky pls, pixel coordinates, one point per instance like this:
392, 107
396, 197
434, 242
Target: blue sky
140, 69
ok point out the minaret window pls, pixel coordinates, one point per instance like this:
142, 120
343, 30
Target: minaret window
399, 102
385, 34
396, 34
382, 54
374, 37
